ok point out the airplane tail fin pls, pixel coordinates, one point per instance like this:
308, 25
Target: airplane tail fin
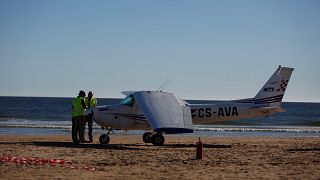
273, 91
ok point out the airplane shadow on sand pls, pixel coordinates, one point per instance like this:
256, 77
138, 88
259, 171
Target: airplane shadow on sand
73, 145
85, 146
125, 146
114, 146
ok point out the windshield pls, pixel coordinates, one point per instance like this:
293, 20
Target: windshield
128, 101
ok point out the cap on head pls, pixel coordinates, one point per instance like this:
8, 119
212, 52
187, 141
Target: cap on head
82, 93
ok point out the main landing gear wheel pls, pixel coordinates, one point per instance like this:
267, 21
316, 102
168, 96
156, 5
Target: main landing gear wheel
104, 139
147, 137
157, 139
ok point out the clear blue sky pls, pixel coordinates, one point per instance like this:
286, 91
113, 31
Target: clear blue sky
211, 49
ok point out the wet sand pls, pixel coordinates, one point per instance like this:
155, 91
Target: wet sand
127, 157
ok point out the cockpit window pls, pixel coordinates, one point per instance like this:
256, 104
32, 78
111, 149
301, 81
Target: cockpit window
128, 101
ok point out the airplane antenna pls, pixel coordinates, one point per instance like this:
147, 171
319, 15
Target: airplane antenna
164, 85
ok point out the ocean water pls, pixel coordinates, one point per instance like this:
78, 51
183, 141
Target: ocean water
49, 116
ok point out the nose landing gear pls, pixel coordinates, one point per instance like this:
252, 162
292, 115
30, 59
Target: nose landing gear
104, 138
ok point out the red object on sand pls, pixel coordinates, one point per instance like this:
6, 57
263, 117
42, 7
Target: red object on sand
39, 161
199, 150
59, 161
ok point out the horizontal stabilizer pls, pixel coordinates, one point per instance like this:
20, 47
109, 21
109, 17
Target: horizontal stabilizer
269, 110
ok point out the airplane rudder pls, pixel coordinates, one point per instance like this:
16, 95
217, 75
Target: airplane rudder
285, 75
273, 91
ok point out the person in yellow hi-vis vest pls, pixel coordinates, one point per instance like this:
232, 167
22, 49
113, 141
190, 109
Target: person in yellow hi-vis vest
79, 118
90, 103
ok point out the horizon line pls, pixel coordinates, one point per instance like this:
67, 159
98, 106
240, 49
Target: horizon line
123, 97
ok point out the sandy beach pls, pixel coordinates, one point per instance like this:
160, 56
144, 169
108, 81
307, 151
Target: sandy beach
127, 157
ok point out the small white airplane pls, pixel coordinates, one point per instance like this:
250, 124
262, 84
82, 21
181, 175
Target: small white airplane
165, 113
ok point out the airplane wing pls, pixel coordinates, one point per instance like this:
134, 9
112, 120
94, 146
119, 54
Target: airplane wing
127, 93
165, 112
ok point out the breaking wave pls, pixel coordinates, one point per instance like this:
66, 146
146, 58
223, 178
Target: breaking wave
260, 129
25, 123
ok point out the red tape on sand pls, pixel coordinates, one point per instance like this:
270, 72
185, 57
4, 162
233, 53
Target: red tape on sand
41, 161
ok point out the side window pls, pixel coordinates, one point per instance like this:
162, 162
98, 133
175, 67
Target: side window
128, 101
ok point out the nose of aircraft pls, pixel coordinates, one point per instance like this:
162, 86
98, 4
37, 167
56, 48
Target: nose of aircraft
100, 115
95, 113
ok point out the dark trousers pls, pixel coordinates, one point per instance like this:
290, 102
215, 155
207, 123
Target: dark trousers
90, 122
74, 135
80, 123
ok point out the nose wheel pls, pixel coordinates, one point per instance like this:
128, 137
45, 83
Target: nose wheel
104, 139
156, 139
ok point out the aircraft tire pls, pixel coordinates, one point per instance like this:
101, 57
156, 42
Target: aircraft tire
157, 139
104, 139
147, 136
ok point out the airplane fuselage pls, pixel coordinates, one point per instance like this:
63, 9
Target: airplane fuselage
131, 118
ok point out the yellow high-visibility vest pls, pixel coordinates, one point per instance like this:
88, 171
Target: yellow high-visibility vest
77, 108
93, 102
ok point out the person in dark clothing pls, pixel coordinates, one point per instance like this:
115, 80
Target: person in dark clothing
79, 118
